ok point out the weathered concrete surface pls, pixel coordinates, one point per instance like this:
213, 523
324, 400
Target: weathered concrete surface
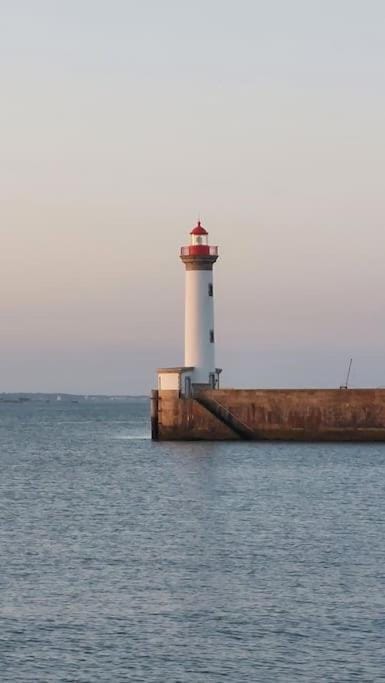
184, 419
278, 414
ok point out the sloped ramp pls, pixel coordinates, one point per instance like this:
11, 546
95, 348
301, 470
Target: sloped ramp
226, 417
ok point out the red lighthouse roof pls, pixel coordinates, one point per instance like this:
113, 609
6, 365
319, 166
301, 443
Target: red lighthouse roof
199, 230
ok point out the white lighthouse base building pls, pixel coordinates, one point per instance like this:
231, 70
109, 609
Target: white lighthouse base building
183, 379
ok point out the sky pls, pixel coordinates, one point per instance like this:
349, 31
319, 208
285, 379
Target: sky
122, 121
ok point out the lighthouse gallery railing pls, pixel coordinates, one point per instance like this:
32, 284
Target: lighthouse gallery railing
199, 249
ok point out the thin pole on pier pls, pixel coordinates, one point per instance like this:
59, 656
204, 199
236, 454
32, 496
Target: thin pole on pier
346, 385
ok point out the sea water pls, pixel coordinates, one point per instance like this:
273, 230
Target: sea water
127, 560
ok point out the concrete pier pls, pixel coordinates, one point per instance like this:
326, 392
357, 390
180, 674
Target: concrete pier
270, 414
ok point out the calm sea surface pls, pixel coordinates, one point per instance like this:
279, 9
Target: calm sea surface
127, 560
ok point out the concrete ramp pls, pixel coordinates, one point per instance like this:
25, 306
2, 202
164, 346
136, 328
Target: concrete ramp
224, 415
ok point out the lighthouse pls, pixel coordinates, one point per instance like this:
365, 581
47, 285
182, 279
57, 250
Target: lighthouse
199, 368
199, 258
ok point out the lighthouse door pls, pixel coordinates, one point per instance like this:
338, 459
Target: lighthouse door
187, 386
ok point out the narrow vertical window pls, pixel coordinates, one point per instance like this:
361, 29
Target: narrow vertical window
211, 336
211, 289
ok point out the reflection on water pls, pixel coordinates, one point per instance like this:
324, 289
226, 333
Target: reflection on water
127, 560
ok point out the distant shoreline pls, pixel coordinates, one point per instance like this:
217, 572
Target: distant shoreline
23, 397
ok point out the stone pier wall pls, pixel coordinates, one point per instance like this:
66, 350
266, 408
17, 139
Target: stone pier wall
277, 414
184, 419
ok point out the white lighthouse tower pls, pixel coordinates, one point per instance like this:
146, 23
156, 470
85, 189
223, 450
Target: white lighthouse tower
199, 368
199, 258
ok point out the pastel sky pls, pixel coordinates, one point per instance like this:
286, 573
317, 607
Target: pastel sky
121, 121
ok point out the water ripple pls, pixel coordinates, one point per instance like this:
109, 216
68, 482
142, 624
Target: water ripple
125, 560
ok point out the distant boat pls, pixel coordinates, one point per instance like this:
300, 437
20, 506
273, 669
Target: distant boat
58, 397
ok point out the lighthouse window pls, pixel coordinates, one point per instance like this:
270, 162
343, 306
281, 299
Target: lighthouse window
211, 336
211, 289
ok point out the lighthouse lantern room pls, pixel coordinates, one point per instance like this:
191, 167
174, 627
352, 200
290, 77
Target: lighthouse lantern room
199, 369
